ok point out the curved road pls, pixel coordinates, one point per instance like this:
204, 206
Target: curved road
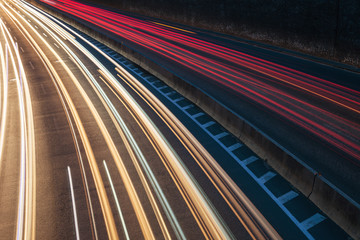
81, 159
309, 108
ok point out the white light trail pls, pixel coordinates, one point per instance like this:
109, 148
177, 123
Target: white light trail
73, 204
4, 67
105, 206
117, 201
208, 211
27, 183
208, 214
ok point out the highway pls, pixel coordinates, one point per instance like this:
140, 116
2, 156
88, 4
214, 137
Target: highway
94, 147
81, 158
309, 108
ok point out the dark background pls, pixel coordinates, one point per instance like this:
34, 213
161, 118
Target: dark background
329, 28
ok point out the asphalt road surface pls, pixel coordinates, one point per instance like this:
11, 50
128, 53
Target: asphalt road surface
309, 108
91, 148
81, 159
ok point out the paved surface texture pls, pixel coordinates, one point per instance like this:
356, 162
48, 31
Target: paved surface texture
96, 148
309, 108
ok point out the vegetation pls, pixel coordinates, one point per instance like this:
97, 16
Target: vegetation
326, 28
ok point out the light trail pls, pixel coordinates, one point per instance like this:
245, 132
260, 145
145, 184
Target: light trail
243, 74
117, 202
21, 199
216, 226
144, 223
4, 67
84, 177
105, 206
174, 27
206, 216
27, 184
249, 216
73, 204
257, 215
150, 175
135, 153
206, 163
123, 172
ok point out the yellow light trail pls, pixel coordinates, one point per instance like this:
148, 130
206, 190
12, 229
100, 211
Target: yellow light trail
147, 188
154, 183
27, 192
142, 177
209, 221
180, 29
249, 216
131, 189
208, 166
260, 219
4, 68
104, 202
62, 33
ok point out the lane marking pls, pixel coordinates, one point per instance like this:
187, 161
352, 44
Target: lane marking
56, 45
178, 99
22, 50
266, 177
198, 115
264, 187
249, 160
217, 180
220, 135
208, 124
312, 221
43, 89
98, 181
120, 77
73, 204
234, 147
154, 82
31, 65
187, 107
4, 59
150, 80
170, 93
117, 201
44, 34
287, 197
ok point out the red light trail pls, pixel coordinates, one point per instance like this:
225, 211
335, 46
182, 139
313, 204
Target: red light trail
263, 82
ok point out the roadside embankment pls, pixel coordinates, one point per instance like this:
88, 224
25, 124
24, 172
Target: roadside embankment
327, 29
338, 206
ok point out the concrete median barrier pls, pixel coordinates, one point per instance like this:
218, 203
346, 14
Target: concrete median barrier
338, 206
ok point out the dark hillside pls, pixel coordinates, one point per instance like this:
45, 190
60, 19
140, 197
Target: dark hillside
327, 28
